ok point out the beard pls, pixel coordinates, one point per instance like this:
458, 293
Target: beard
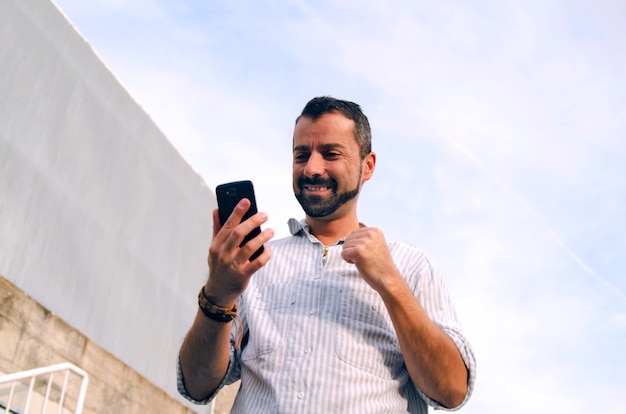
317, 206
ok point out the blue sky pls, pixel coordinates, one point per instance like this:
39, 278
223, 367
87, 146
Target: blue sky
500, 129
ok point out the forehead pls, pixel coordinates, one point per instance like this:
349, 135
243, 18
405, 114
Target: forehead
331, 128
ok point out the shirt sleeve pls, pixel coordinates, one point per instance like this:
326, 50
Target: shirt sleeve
433, 295
233, 373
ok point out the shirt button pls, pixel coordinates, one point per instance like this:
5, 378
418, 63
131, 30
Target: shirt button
300, 395
312, 312
374, 307
307, 350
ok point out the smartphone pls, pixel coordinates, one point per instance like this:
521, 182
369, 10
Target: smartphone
228, 195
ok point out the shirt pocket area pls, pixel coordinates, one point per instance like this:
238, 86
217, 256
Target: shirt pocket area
270, 308
365, 337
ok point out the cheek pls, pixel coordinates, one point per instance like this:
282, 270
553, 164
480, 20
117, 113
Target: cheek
296, 171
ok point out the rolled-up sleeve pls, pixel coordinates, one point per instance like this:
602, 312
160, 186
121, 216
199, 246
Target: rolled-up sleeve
233, 373
433, 294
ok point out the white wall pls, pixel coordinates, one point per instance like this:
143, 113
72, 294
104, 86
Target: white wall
101, 220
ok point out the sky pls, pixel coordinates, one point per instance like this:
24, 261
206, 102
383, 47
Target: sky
500, 133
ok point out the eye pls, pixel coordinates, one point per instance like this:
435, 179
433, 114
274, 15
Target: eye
300, 156
332, 155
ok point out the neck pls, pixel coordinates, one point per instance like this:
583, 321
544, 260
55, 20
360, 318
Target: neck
330, 231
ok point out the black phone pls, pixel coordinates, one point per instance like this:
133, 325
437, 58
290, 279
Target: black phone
228, 195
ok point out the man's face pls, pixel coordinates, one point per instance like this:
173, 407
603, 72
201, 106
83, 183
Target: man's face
327, 167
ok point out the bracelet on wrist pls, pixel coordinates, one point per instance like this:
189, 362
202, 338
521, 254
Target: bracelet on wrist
221, 314
213, 311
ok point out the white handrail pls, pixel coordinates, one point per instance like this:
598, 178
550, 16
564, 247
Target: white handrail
50, 370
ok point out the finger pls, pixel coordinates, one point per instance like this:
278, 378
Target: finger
225, 235
244, 228
347, 257
250, 267
254, 244
238, 212
349, 253
250, 224
359, 234
216, 222
260, 261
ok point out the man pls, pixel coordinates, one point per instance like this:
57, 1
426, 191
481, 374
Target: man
339, 320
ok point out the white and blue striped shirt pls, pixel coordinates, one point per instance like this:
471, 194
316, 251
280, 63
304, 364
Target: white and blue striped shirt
318, 338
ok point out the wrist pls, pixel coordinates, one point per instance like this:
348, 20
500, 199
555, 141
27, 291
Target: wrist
216, 296
214, 311
221, 314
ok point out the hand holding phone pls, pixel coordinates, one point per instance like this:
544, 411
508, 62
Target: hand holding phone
228, 196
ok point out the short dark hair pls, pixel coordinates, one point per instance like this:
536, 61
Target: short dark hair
319, 106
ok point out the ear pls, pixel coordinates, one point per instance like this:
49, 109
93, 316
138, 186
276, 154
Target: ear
369, 163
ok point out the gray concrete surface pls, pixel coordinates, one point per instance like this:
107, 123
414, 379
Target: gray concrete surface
101, 220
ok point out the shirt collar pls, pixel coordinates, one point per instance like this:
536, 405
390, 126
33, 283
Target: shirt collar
296, 226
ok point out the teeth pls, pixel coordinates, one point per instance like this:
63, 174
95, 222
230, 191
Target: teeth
317, 188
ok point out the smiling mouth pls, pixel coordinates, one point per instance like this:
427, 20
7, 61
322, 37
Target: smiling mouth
315, 188
316, 185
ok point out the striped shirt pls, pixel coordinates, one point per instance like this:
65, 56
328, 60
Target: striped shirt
318, 338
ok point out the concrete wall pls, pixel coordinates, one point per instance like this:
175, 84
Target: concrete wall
101, 221
33, 336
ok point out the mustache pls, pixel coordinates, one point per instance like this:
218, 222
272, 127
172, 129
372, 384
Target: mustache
302, 181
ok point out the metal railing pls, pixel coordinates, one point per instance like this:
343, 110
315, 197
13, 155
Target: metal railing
46, 402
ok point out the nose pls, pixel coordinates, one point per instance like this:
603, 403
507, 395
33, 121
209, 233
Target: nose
314, 165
